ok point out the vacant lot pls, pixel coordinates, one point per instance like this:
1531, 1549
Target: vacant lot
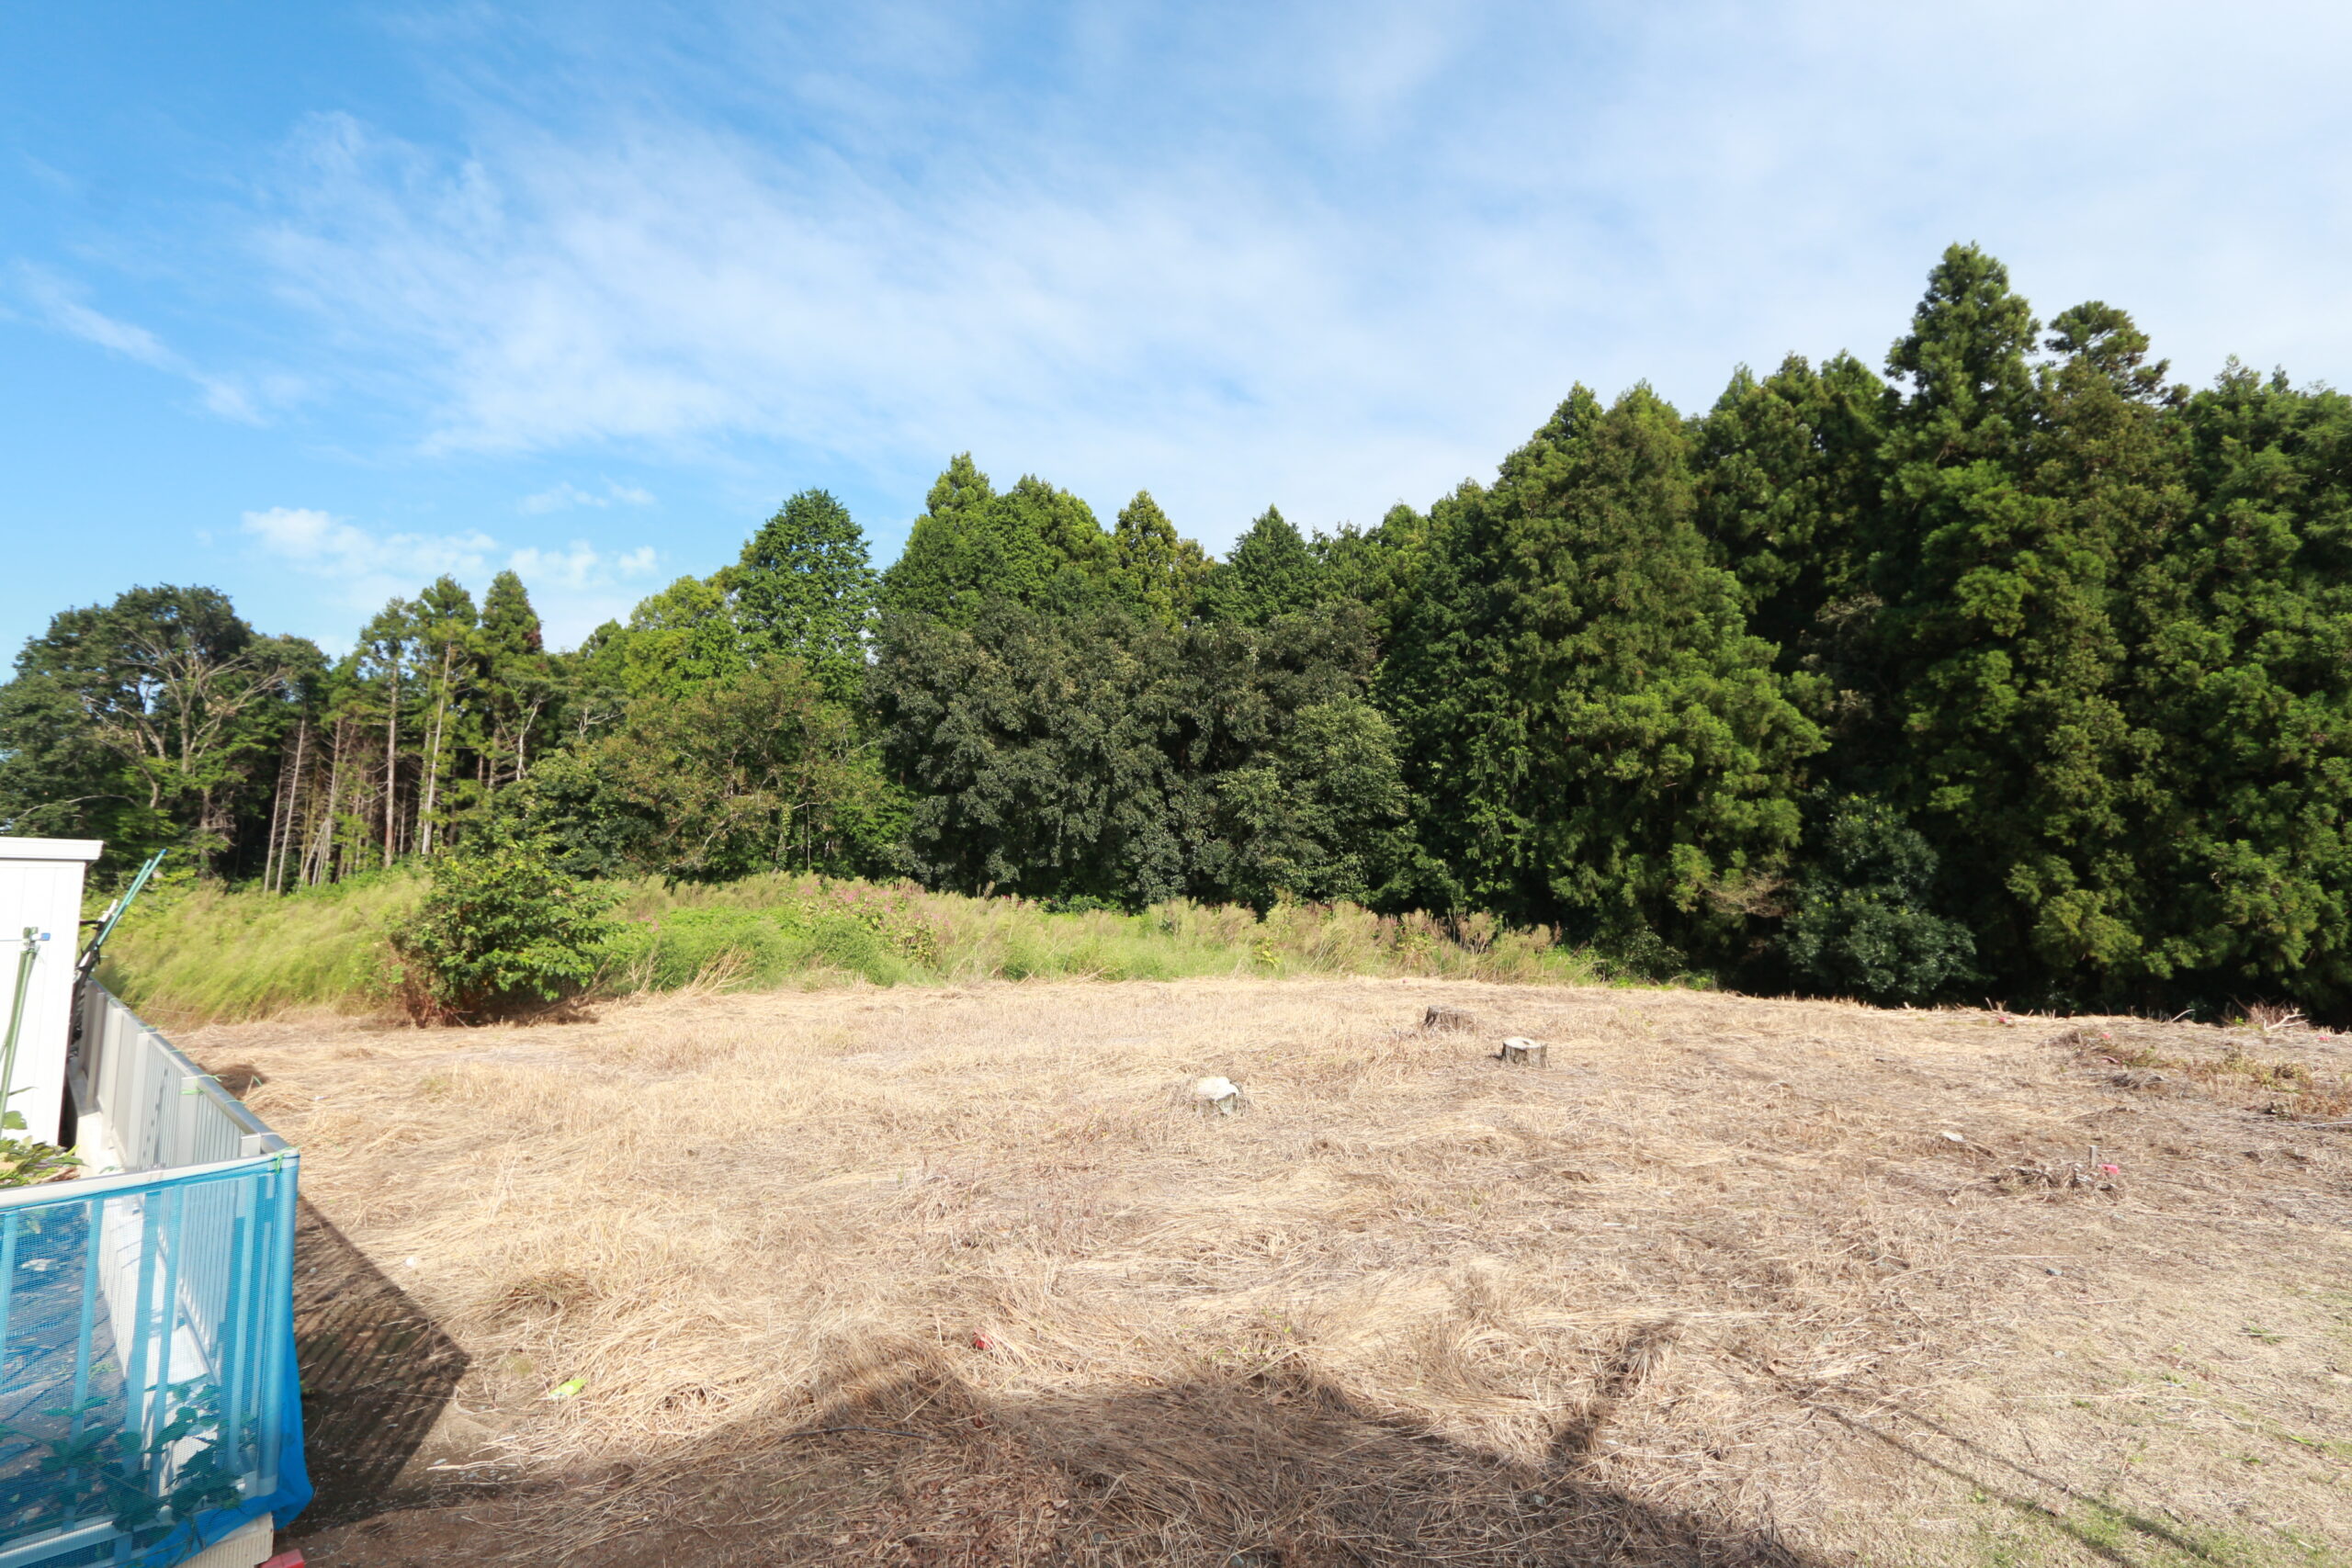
964, 1275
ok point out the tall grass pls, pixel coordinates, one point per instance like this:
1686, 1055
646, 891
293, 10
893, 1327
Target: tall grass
200, 954
208, 955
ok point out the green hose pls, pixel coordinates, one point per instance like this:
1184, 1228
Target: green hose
14, 1121
115, 911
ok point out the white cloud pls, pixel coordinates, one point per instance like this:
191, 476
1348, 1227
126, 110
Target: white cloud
699, 290
321, 545
574, 588
564, 495
581, 565
1330, 256
62, 306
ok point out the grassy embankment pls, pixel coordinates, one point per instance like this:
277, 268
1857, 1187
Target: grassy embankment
206, 956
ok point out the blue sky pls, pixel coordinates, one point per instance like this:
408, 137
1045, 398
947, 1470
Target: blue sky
312, 302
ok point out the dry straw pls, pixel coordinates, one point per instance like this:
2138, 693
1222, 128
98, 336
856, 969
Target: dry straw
953, 1276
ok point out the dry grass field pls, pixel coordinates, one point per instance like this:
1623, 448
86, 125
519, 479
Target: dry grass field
965, 1276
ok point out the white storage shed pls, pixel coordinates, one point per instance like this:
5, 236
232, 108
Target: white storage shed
40, 891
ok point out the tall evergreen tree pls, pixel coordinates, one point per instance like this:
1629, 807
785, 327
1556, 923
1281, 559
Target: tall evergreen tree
2243, 669
445, 627
804, 589
1593, 737
1158, 570
1378, 567
1270, 571
2007, 542
1788, 480
510, 627
1033, 545
519, 682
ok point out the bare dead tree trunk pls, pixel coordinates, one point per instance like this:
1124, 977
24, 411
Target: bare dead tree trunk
523, 741
369, 810
433, 754
301, 755
391, 755
279, 804
317, 844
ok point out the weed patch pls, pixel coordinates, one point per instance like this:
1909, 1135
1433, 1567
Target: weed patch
208, 955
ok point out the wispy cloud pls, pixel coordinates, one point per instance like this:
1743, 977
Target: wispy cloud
1330, 256
581, 565
565, 495
325, 546
575, 587
63, 307
1196, 338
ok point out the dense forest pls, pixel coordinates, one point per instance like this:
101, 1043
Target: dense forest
2018, 669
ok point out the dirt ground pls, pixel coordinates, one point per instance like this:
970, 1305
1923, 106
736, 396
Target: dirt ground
971, 1276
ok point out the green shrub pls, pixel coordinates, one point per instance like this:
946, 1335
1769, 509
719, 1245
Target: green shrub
500, 927
1863, 924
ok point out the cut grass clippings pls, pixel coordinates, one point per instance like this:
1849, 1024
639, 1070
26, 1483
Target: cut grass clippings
2254, 1075
963, 1275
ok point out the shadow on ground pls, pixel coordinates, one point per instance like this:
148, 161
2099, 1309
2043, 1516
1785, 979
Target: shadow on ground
897, 1460
376, 1373
2100, 1527
901, 1461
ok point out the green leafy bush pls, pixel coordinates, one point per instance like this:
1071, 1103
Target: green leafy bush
500, 928
1863, 924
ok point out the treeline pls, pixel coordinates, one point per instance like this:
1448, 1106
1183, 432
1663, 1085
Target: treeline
2017, 671
163, 720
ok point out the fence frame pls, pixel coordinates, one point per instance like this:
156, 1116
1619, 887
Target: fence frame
153, 1109
186, 1257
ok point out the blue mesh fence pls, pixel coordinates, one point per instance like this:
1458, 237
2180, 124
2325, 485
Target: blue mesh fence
148, 1397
